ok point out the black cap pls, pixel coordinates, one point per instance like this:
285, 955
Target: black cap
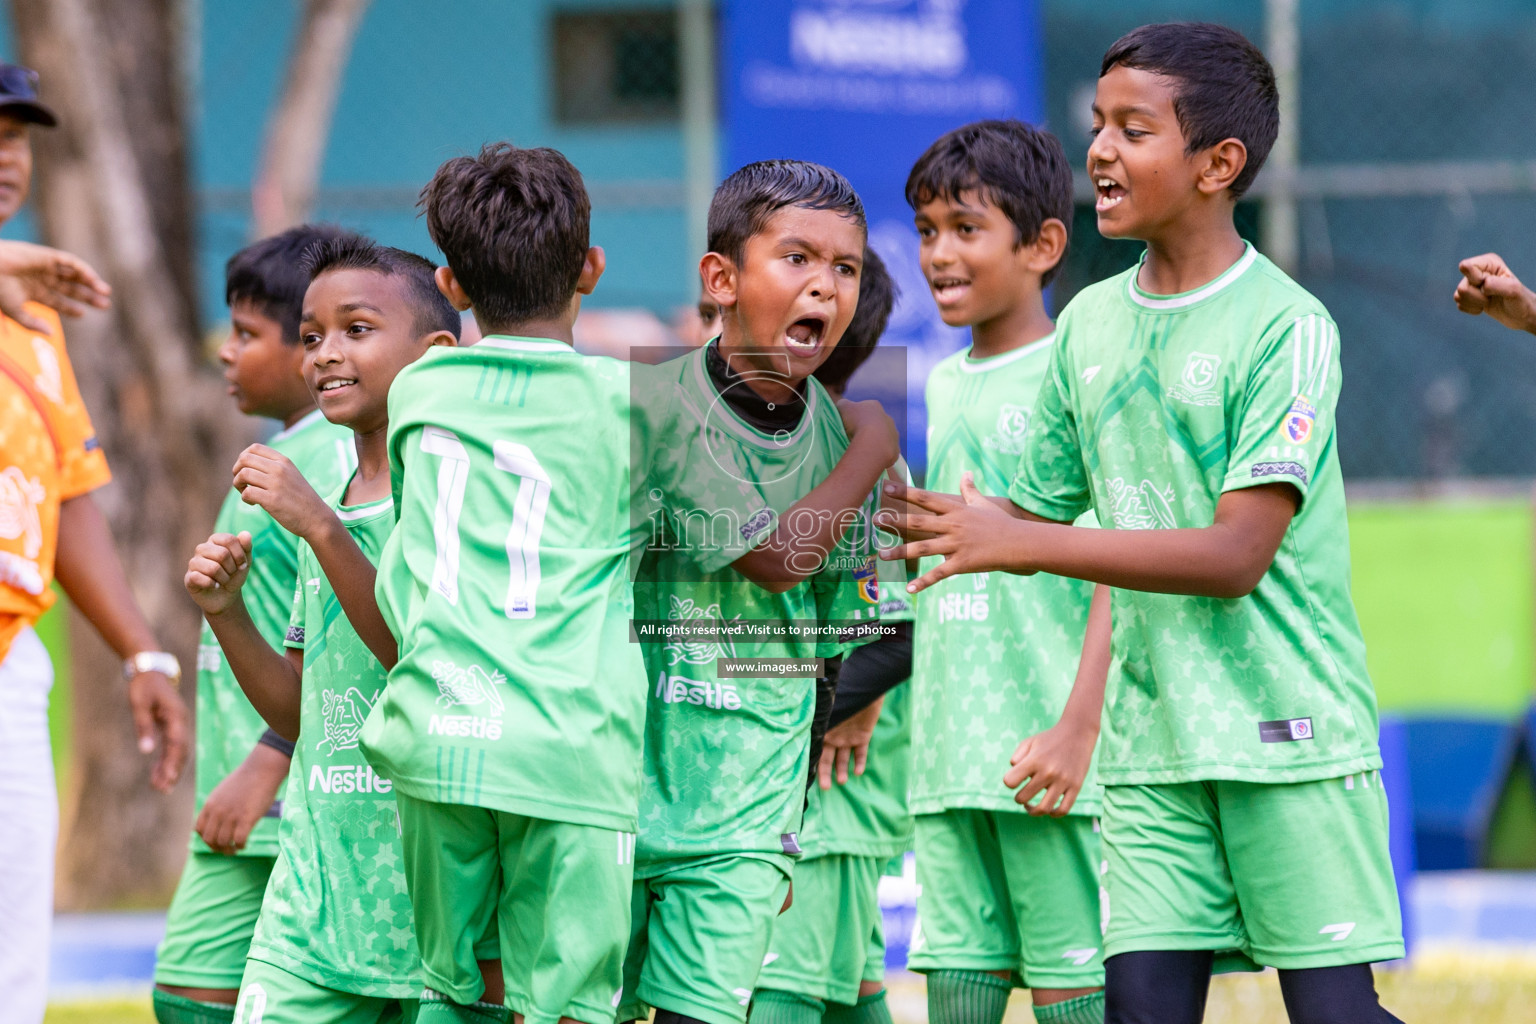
18, 96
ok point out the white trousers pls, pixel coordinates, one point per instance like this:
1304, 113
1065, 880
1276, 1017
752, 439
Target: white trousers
29, 830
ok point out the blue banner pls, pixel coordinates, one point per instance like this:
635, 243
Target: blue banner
865, 86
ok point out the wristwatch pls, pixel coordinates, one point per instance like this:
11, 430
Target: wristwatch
163, 662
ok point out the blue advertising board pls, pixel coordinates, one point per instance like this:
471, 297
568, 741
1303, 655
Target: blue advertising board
864, 86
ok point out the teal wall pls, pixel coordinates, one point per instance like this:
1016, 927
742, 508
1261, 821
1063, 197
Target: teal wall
426, 82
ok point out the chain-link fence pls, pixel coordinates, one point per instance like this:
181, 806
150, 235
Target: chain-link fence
1417, 147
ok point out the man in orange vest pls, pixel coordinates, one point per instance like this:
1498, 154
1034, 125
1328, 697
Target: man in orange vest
50, 527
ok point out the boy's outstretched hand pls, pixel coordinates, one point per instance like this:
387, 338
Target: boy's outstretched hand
1489, 286
36, 273
217, 571
266, 477
1053, 763
963, 528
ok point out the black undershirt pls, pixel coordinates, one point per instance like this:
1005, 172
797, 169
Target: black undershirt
769, 417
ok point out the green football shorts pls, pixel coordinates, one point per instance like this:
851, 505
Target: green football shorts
212, 917
1287, 875
271, 995
874, 952
562, 913
821, 945
699, 934
1003, 891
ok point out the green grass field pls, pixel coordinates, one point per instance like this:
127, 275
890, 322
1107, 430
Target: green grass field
1440, 988
1446, 592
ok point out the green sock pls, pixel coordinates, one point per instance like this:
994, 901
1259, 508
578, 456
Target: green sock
870, 1009
437, 1008
1088, 1009
775, 1006
967, 997
174, 1009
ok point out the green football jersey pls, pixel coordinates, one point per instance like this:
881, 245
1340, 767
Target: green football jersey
726, 758
996, 653
1154, 406
337, 912
869, 815
508, 579
227, 726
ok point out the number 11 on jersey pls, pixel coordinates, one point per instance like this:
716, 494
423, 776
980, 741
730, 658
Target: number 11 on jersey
528, 509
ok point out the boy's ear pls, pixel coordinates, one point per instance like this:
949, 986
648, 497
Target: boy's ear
444, 338
1223, 163
1048, 247
449, 286
591, 269
720, 277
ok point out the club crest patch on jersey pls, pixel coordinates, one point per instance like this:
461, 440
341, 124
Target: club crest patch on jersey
869, 585
1297, 425
1012, 429
1197, 384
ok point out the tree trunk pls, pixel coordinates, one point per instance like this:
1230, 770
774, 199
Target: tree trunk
283, 193
113, 186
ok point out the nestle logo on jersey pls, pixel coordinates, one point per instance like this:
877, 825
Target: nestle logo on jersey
347, 778
964, 607
470, 726
681, 690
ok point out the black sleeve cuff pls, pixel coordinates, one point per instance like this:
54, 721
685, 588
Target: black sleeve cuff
277, 743
871, 671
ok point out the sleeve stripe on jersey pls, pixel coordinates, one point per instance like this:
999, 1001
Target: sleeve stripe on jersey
1312, 340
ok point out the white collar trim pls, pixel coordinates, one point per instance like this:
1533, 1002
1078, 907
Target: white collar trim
525, 344
990, 363
373, 508
1205, 291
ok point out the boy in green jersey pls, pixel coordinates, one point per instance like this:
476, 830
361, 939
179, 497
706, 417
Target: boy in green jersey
726, 756
525, 476
1008, 895
334, 942
241, 765
1190, 401
826, 960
